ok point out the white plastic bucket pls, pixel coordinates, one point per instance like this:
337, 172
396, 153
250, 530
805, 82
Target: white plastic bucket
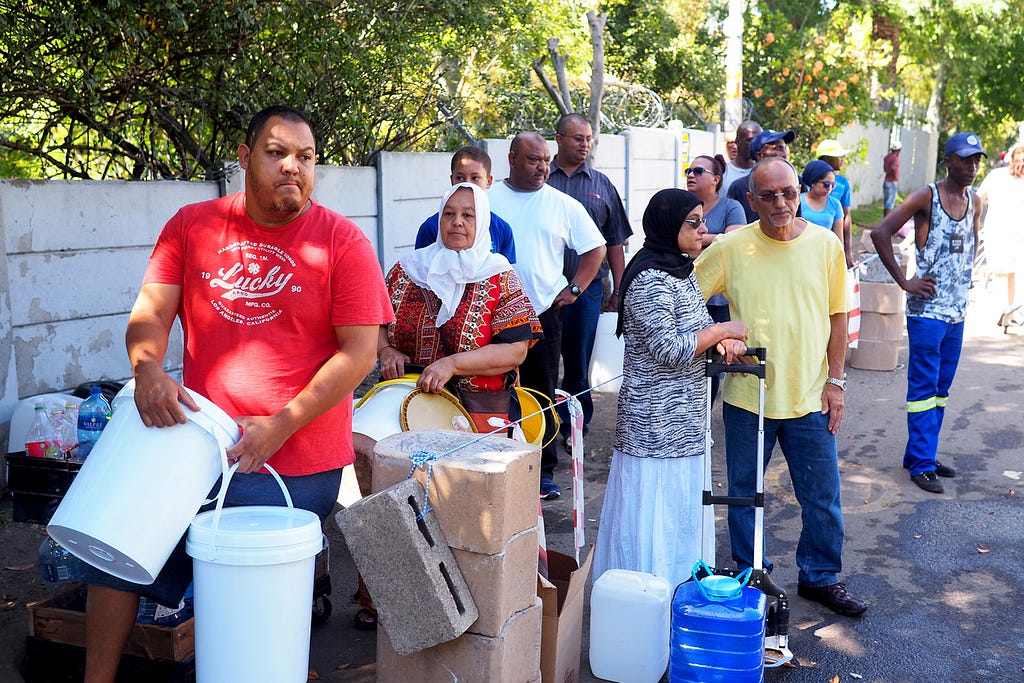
253, 568
378, 414
633, 650
606, 361
140, 488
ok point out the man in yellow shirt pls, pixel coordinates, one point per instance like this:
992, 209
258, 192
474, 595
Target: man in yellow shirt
788, 284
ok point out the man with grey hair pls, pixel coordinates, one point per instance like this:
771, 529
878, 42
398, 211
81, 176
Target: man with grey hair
545, 223
788, 283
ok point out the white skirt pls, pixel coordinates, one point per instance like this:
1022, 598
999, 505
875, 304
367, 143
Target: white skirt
651, 518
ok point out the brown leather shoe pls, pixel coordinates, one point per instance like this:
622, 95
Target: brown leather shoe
835, 598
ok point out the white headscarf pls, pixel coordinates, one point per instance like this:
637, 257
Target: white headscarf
446, 272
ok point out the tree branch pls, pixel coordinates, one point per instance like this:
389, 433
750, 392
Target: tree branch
538, 67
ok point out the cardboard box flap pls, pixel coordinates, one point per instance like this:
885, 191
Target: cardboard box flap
562, 627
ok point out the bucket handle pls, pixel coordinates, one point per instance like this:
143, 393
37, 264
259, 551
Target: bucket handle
222, 495
212, 427
701, 567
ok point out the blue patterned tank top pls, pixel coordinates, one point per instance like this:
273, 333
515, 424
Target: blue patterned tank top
947, 256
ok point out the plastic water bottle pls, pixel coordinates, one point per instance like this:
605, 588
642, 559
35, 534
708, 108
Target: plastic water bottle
92, 418
151, 612
57, 564
40, 440
69, 436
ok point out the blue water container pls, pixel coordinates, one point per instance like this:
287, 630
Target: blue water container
718, 626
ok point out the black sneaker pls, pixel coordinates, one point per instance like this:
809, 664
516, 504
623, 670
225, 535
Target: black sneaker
928, 481
835, 598
944, 470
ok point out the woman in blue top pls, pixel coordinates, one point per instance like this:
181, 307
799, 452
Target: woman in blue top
817, 205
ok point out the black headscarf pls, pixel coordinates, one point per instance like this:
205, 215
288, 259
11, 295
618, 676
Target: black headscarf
663, 219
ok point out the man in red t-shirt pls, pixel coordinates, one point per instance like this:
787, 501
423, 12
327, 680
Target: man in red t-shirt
280, 301
891, 167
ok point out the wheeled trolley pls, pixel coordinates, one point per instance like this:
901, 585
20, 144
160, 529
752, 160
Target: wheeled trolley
777, 650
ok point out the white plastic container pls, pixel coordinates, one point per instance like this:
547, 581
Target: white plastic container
140, 488
630, 621
606, 361
253, 571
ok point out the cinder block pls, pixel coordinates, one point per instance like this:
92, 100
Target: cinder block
483, 490
882, 326
417, 588
875, 271
879, 297
872, 354
501, 584
511, 657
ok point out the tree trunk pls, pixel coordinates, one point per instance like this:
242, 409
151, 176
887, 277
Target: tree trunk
597, 23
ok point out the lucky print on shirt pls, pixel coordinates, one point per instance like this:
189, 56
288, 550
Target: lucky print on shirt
253, 274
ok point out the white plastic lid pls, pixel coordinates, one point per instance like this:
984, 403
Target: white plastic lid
255, 535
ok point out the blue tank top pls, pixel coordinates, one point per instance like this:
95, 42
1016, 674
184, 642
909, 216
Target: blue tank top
948, 257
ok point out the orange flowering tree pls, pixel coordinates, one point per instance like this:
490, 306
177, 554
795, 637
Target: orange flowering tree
807, 68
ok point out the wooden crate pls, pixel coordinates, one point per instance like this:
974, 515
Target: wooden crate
61, 619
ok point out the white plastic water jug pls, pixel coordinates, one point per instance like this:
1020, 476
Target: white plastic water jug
630, 620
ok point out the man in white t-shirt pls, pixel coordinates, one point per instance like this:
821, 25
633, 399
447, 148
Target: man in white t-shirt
740, 166
545, 222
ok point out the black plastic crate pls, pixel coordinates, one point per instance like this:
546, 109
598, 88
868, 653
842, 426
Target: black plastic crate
37, 485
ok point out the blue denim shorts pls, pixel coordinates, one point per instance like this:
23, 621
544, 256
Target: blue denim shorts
314, 492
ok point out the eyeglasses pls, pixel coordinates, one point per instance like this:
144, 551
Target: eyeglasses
789, 194
827, 185
695, 222
698, 171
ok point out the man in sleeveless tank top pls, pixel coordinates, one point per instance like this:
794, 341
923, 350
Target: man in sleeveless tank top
947, 217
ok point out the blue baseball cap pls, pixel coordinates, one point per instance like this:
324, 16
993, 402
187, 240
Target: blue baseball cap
964, 145
767, 137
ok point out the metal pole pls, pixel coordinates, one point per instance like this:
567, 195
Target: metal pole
732, 27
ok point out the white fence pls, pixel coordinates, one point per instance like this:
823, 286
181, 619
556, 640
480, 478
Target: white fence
75, 251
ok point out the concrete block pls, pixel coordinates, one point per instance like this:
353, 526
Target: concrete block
882, 326
875, 271
879, 297
501, 584
872, 354
417, 588
511, 657
483, 490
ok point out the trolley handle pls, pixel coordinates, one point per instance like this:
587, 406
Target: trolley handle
714, 363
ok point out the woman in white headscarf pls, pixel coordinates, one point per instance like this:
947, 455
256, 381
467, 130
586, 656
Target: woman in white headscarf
460, 311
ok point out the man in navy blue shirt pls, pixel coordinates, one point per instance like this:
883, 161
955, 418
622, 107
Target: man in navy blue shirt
571, 174
473, 165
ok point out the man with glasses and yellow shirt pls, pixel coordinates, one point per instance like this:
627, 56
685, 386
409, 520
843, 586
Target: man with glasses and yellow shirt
787, 280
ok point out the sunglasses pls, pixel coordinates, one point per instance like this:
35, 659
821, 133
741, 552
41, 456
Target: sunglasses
698, 171
789, 194
827, 185
695, 222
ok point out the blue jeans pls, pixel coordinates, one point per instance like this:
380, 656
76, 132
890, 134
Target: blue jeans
810, 450
934, 355
888, 195
579, 329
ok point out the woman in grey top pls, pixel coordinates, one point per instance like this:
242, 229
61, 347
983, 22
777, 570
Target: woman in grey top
650, 521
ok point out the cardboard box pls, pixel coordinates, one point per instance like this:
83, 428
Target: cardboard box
882, 326
482, 489
513, 656
562, 624
61, 619
880, 297
872, 354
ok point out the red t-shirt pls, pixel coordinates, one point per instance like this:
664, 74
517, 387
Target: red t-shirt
258, 309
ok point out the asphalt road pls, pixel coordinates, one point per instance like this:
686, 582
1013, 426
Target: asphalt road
941, 573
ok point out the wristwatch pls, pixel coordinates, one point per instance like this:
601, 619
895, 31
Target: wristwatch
574, 289
841, 383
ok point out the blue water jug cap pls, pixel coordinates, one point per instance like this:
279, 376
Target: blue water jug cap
96, 389
719, 588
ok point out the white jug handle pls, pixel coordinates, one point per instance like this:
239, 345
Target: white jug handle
222, 494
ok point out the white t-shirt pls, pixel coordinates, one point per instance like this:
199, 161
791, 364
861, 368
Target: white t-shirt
544, 224
732, 173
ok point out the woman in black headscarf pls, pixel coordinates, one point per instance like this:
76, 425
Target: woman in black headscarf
650, 521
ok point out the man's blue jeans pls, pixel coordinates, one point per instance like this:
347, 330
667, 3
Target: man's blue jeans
934, 356
810, 450
579, 329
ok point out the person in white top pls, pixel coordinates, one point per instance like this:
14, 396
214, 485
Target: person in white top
1003, 194
545, 222
741, 166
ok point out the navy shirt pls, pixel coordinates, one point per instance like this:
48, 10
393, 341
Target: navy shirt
501, 236
595, 191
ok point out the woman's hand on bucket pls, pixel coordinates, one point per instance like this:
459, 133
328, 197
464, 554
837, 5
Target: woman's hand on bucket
160, 400
262, 436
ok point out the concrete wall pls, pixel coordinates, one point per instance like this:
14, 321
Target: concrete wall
75, 251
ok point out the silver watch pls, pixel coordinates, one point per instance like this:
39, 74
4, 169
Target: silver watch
841, 383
